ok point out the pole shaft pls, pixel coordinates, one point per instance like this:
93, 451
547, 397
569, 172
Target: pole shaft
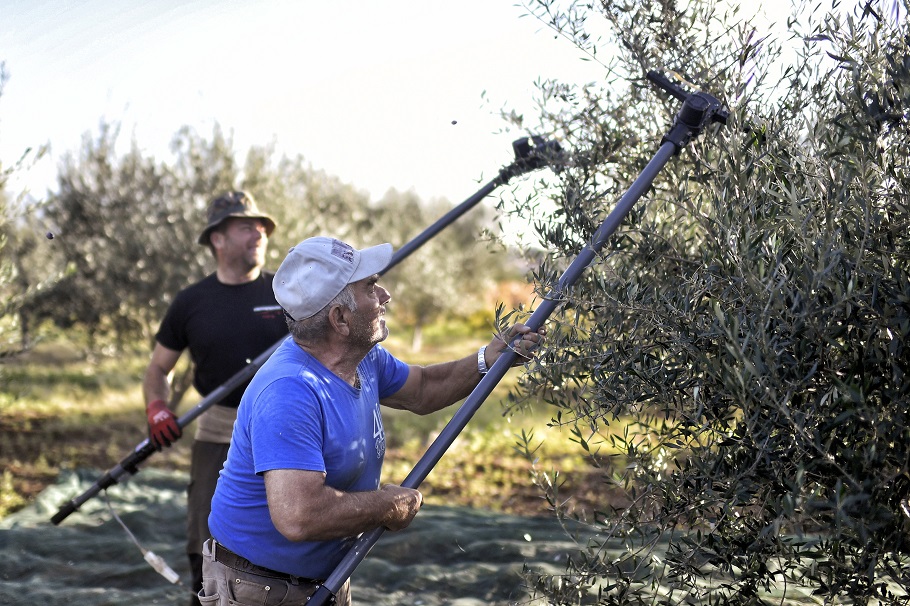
441, 223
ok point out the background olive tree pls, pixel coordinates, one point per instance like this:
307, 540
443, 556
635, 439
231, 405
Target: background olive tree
449, 274
125, 225
122, 225
19, 244
735, 361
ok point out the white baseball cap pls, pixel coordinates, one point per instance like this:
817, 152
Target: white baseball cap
317, 269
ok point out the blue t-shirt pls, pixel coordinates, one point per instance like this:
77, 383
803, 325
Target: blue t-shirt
296, 414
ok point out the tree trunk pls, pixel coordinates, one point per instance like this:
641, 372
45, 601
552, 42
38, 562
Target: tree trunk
25, 336
417, 340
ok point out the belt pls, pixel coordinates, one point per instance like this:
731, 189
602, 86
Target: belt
222, 554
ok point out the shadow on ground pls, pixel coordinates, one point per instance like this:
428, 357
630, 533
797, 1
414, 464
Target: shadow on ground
449, 555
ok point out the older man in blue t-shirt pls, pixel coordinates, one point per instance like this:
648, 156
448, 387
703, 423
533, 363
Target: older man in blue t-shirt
301, 480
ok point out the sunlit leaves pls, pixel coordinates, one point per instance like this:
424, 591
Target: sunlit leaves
746, 326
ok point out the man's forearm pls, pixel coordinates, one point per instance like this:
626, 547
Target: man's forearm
432, 388
294, 502
155, 385
345, 515
447, 383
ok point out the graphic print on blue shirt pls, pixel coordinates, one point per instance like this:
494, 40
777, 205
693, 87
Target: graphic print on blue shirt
378, 434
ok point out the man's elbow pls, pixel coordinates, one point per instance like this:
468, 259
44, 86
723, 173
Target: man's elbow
295, 530
155, 373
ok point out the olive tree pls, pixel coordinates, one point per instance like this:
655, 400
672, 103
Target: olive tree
734, 363
446, 276
22, 253
305, 201
118, 223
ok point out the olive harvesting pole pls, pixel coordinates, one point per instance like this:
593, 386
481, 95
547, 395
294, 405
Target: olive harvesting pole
698, 111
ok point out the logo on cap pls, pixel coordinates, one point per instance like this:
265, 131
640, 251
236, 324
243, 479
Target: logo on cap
343, 251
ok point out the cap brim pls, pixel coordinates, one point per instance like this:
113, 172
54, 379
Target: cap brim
207, 232
372, 261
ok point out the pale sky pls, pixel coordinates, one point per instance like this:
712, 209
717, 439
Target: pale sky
391, 93
398, 93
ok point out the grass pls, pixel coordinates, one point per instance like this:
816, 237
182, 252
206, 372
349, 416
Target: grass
61, 409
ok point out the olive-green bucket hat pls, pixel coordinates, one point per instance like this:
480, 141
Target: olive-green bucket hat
234, 204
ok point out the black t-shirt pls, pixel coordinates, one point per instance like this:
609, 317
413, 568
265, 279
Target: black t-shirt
225, 326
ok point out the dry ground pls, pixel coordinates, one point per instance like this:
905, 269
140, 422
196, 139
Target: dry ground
61, 410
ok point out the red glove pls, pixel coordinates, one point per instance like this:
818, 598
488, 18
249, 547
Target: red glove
163, 427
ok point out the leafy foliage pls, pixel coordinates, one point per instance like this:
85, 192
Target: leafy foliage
123, 232
451, 270
125, 227
750, 318
17, 243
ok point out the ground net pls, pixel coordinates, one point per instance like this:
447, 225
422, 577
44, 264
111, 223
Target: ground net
448, 555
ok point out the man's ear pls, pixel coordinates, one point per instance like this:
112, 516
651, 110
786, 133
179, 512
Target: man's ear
216, 238
339, 320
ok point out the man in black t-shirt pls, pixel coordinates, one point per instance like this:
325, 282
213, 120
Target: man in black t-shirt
226, 320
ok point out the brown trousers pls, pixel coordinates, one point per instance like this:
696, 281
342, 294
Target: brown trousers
223, 586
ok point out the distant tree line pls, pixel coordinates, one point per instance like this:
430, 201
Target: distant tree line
107, 249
